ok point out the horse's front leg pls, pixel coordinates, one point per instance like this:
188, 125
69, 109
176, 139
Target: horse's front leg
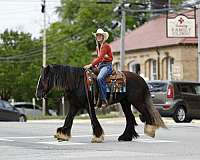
64, 133
98, 134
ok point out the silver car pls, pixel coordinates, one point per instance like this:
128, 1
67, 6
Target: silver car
28, 109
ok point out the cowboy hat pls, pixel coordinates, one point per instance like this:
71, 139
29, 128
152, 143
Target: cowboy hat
100, 31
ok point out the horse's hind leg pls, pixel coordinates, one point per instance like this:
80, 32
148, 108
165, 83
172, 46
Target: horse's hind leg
142, 108
129, 132
64, 133
149, 128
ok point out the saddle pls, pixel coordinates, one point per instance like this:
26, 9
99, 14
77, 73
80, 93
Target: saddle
117, 76
116, 82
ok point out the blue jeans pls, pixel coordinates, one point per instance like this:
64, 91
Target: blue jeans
105, 70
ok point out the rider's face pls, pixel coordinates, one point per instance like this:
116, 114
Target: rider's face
99, 37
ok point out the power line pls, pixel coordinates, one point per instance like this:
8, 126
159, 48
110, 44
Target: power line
36, 53
55, 42
180, 7
37, 50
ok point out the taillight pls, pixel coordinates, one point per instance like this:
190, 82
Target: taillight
166, 107
170, 92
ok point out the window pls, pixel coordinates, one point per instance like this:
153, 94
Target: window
157, 87
27, 106
1, 105
170, 68
7, 105
134, 67
153, 70
186, 88
197, 89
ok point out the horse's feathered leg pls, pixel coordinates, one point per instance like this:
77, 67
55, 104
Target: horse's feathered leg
152, 118
64, 133
97, 129
129, 132
143, 109
98, 133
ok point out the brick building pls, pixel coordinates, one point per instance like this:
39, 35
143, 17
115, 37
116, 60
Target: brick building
150, 53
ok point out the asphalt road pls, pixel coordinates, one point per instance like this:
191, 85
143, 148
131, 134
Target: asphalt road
34, 141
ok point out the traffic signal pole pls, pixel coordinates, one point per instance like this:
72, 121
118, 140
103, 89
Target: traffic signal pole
44, 50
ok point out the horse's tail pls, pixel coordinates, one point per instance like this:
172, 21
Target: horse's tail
155, 115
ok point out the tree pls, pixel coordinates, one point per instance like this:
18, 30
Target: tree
17, 78
85, 16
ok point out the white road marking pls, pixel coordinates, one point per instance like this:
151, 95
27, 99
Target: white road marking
30, 137
64, 143
3, 139
140, 140
73, 136
154, 141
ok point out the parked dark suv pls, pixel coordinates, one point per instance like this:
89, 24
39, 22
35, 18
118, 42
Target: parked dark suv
177, 99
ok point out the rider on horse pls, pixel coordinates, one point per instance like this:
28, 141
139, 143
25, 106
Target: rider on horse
103, 62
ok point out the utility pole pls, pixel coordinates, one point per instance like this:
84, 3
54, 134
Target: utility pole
44, 50
169, 3
122, 45
198, 20
122, 40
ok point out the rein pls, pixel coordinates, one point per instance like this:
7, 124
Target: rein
87, 93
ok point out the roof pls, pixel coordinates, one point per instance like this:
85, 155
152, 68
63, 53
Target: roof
150, 35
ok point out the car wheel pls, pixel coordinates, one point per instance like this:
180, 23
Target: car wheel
22, 118
179, 115
188, 120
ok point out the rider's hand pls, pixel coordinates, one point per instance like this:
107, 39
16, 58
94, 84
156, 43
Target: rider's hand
87, 66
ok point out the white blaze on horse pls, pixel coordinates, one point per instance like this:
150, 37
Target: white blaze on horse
73, 81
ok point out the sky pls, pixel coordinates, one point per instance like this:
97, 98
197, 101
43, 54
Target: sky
25, 15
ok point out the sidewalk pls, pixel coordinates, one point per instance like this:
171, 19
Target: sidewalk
107, 120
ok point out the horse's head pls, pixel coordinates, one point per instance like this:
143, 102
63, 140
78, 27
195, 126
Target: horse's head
44, 82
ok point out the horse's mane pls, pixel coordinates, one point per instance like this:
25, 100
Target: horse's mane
65, 77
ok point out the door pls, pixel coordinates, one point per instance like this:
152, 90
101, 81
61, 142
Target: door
196, 106
189, 96
10, 113
2, 114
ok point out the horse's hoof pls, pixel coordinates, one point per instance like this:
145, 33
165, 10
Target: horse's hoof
124, 138
97, 139
60, 140
150, 130
56, 135
62, 137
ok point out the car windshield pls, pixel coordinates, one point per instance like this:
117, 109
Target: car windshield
157, 87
